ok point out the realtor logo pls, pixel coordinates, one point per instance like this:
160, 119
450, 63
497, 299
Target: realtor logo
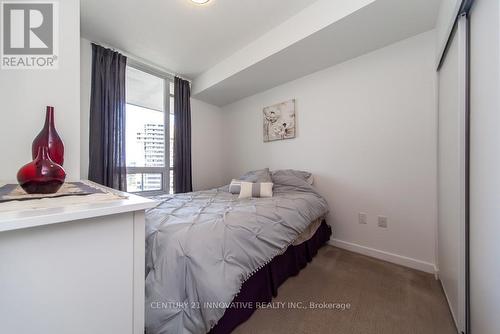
29, 35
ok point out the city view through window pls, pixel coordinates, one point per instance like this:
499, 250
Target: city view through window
146, 133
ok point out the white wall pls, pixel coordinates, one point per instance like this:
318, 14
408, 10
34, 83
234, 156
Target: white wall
485, 167
207, 131
85, 86
207, 138
367, 130
24, 94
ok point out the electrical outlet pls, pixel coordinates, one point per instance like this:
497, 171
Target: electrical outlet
382, 221
363, 218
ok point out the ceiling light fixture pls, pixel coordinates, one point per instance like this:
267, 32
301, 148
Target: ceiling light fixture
200, 2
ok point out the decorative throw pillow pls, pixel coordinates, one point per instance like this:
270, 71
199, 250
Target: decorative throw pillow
249, 189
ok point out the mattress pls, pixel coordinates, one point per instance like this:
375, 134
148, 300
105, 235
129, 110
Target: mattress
309, 232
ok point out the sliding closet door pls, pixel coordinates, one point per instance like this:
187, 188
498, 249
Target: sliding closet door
452, 171
485, 168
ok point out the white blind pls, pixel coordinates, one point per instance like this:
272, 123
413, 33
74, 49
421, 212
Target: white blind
145, 90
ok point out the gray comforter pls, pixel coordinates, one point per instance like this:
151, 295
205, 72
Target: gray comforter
201, 247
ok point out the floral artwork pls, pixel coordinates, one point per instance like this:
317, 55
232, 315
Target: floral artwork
279, 121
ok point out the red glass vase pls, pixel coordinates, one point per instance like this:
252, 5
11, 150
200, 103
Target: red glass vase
49, 137
42, 175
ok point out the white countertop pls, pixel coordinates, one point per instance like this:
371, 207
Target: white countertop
15, 220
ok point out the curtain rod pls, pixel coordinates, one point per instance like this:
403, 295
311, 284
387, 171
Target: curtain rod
143, 61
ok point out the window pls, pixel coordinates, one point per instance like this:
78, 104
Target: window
149, 130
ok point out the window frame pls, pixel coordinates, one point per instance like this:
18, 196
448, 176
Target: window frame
168, 79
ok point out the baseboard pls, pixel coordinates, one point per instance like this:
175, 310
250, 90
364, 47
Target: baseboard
386, 256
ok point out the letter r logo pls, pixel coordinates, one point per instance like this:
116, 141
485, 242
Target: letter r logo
28, 28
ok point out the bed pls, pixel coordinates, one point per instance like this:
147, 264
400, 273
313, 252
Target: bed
207, 249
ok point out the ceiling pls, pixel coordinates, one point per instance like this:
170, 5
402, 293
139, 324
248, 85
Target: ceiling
232, 49
178, 35
369, 26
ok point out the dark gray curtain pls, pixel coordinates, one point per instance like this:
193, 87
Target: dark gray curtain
182, 137
107, 164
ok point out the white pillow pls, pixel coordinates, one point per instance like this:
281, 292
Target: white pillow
249, 189
266, 189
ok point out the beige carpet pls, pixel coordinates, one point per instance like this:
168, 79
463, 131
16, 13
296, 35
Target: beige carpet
384, 299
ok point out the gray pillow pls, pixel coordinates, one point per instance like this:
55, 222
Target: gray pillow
306, 176
286, 181
260, 175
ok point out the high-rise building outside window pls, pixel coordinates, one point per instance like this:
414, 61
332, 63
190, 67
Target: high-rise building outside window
149, 130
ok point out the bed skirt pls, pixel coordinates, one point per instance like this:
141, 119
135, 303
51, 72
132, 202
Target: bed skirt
263, 285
